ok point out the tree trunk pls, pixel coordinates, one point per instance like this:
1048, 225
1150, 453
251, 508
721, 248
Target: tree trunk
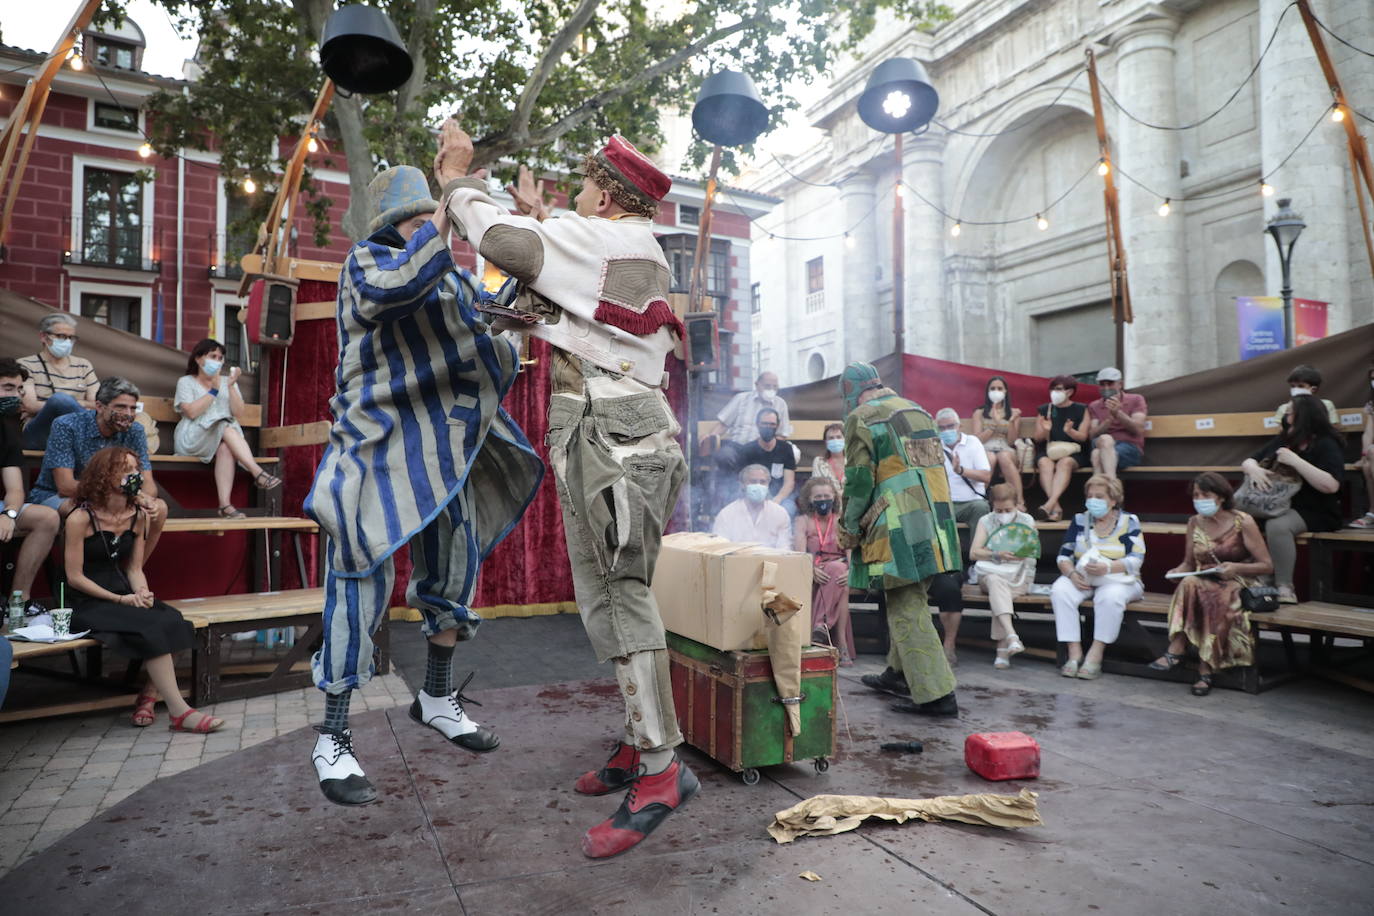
349, 113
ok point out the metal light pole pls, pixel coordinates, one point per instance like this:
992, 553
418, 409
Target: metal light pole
1284, 227
898, 98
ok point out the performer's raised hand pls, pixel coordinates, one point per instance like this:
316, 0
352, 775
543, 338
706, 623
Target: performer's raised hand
455, 153
529, 199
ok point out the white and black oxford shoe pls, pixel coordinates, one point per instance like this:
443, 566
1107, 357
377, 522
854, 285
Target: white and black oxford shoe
341, 778
447, 716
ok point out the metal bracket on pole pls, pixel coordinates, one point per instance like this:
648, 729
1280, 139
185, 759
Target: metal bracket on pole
1116, 249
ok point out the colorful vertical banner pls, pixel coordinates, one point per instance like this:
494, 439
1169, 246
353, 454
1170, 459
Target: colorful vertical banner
1309, 320
1260, 319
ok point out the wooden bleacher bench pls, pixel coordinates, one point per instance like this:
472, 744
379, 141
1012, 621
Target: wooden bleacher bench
23, 651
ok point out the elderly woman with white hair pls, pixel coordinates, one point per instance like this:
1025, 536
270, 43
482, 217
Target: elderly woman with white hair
59, 383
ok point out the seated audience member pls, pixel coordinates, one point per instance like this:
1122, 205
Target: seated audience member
1003, 576
1206, 609
1061, 428
1366, 521
775, 456
37, 524
736, 423
210, 405
753, 518
996, 424
58, 382
1306, 380
78, 436
1101, 558
816, 531
966, 465
1312, 447
1118, 425
105, 541
829, 465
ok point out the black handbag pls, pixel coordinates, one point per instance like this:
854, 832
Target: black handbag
1260, 599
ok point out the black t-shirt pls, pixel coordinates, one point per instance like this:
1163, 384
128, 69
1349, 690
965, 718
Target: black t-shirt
11, 452
1321, 511
780, 459
1070, 413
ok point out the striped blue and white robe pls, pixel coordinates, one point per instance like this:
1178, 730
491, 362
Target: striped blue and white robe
417, 415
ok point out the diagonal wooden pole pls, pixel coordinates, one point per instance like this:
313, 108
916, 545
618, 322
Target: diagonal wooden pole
1116, 250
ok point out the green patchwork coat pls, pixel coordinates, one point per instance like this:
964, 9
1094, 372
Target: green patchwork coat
896, 495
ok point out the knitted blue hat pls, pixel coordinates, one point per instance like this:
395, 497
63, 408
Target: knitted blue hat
398, 194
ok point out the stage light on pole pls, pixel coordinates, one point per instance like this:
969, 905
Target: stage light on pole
955, 230
1266, 188
145, 151
1164, 207
849, 241
1041, 223
76, 61
1103, 168
249, 186
361, 51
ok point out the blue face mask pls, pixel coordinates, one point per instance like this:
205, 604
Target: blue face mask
60, 349
1207, 507
949, 437
834, 446
756, 492
211, 367
1097, 507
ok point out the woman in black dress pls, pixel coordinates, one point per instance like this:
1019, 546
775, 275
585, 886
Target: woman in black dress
106, 534
1061, 429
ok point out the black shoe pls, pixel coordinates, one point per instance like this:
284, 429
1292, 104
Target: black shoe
34, 608
946, 707
887, 682
341, 778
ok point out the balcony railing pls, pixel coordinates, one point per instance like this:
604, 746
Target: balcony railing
96, 244
815, 302
223, 250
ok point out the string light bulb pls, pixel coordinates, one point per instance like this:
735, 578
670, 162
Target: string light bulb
312, 144
1102, 167
901, 191
1337, 113
1041, 223
145, 151
249, 185
76, 61
849, 241
956, 229
1164, 207
1266, 188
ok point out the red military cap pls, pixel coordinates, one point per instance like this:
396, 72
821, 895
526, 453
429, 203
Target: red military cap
633, 168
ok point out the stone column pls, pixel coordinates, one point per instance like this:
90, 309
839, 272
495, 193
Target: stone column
1292, 94
1157, 342
925, 230
862, 317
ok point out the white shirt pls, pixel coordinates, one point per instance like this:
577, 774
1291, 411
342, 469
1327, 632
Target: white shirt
741, 415
770, 527
972, 457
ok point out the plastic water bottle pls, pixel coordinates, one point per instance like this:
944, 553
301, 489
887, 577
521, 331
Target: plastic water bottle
15, 613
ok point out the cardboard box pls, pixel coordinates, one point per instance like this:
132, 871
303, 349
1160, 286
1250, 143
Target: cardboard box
711, 590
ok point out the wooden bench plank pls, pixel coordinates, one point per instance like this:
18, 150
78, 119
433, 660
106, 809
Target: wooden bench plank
250, 606
1150, 602
316, 433
163, 411
27, 650
251, 523
1338, 619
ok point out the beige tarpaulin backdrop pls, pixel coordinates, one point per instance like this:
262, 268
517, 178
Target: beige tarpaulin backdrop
825, 815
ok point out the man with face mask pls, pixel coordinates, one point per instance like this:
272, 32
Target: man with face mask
775, 455
77, 436
58, 383
754, 518
736, 423
596, 290
36, 524
1117, 430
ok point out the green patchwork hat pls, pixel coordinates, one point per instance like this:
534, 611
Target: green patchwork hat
855, 380
398, 194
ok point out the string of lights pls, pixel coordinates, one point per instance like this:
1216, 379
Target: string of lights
1324, 28
1041, 221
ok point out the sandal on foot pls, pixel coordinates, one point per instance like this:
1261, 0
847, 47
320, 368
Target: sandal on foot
1205, 680
266, 481
1365, 521
230, 512
1001, 661
204, 725
1171, 661
1070, 668
144, 714
1287, 595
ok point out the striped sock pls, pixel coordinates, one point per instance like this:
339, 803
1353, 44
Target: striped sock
439, 671
336, 710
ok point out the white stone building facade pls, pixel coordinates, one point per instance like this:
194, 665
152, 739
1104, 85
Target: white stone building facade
1022, 299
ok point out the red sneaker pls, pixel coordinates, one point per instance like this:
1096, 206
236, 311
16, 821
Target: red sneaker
615, 775
650, 800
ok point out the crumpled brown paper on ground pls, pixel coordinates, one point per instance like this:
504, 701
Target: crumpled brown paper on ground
826, 815
785, 629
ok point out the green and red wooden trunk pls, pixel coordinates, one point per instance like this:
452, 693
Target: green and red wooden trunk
728, 708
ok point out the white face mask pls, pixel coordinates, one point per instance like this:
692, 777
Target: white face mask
769, 393
1298, 392
997, 397
1057, 398
1004, 518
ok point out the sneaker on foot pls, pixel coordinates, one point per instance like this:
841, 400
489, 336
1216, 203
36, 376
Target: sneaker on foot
341, 777
648, 803
887, 682
945, 707
447, 716
618, 773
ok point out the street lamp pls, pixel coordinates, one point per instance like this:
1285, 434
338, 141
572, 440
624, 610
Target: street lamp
1284, 227
897, 99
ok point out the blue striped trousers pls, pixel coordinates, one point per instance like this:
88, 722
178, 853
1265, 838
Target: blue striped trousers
445, 557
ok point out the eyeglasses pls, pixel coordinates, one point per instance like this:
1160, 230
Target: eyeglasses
72, 337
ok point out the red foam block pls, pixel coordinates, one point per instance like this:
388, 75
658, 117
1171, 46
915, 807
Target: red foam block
1002, 755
